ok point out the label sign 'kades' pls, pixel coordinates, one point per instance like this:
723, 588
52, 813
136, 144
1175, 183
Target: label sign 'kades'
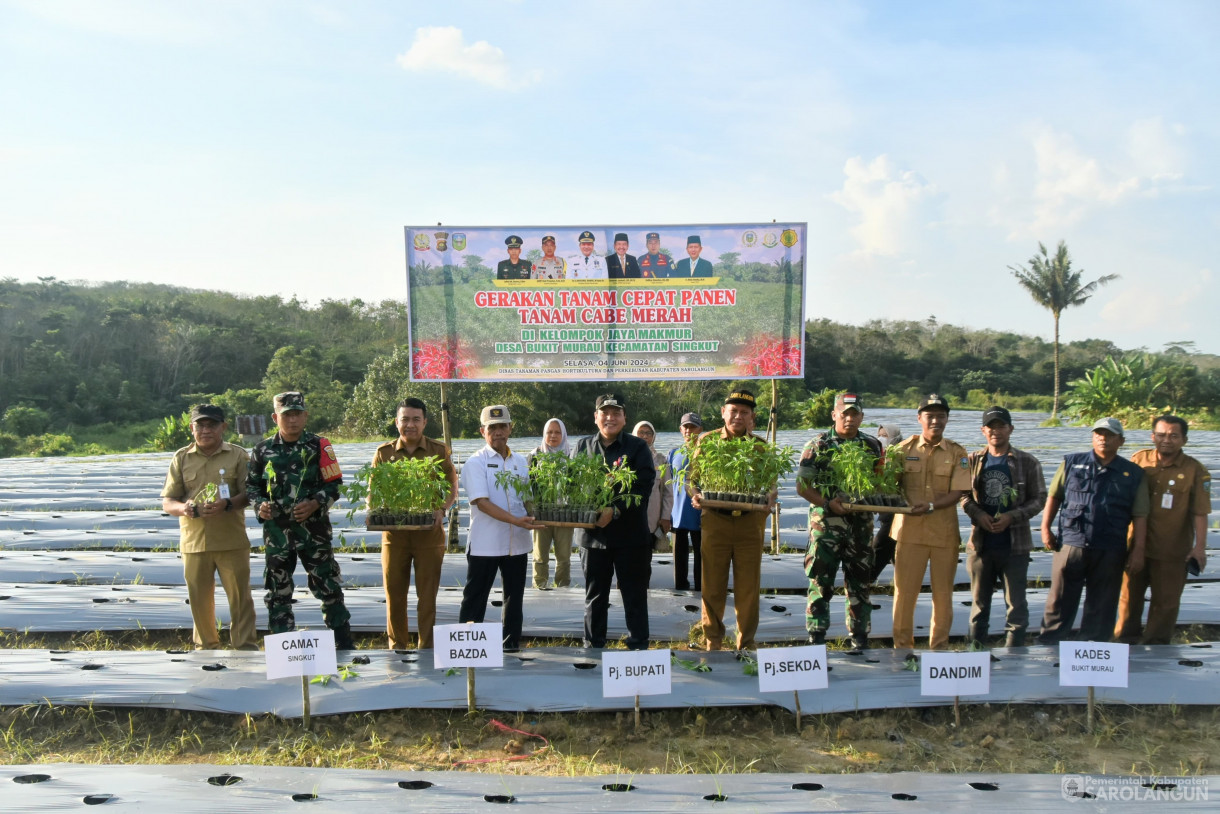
470, 645
1093, 664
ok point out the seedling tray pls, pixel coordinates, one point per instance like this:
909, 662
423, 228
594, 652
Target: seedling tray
563, 524
868, 507
399, 528
732, 504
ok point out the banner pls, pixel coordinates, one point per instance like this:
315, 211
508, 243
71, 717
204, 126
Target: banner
702, 301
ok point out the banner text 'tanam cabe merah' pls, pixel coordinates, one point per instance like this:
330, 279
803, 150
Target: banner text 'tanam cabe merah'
701, 301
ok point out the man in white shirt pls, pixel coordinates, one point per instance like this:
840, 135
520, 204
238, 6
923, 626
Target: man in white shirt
499, 539
587, 265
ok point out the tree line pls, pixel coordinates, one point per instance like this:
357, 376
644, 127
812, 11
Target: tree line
76, 356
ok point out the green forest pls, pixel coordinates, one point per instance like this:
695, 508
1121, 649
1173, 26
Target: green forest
112, 367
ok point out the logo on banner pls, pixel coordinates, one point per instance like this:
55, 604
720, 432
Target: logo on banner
770, 240
749, 238
459, 241
422, 242
788, 237
442, 241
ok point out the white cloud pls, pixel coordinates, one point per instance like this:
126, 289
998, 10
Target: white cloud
890, 204
444, 49
1155, 149
1130, 309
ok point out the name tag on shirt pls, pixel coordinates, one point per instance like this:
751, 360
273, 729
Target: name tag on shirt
224, 491
1167, 500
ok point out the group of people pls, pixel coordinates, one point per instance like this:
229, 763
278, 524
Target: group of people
588, 265
1125, 527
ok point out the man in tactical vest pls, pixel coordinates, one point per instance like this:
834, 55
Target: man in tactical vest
1096, 496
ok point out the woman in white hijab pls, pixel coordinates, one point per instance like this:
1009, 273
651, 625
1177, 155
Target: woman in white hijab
554, 439
661, 501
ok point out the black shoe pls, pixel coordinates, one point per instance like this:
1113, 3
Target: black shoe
1014, 639
817, 637
682, 586
343, 637
859, 644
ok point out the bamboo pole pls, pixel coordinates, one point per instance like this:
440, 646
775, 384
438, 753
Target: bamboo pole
305, 702
797, 697
772, 436
637, 713
470, 699
1090, 712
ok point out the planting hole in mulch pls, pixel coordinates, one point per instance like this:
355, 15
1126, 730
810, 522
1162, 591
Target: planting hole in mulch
304, 797
984, 787
91, 666
213, 668
584, 665
31, 778
716, 798
414, 785
499, 798
807, 786
901, 796
618, 787
97, 799
224, 780
691, 608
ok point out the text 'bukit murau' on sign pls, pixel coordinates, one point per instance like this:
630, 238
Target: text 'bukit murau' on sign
1093, 664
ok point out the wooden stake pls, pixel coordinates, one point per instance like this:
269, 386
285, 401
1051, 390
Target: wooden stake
637, 713
451, 543
773, 436
305, 701
1090, 714
797, 697
957, 712
470, 702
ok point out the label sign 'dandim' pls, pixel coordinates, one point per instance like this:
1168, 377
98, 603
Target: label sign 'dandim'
955, 674
469, 645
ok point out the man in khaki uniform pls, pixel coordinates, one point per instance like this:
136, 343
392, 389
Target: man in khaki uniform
732, 538
425, 549
214, 539
1180, 492
936, 474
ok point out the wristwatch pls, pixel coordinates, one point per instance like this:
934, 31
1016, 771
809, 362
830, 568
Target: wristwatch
931, 506
228, 504
194, 509
617, 513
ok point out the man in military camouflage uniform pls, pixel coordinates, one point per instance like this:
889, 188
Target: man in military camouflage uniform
837, 536
293, 480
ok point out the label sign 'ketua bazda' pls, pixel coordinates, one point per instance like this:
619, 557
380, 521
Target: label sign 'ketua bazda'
955, 674
469, 645
635, 672
1093, 664
300, 653
783, 669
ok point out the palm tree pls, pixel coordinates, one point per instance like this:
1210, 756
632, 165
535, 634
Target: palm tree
1054, 286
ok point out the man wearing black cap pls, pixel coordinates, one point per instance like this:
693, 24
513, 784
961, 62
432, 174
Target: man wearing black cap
513, 268
549, 267
836, 535
586, 265
1008, 490
620, 264
294, 480
655, 263
693, 265
621, 544
936, 473
732, 539
1101, 494
213, 526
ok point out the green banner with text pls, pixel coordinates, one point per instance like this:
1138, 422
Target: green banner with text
702, 301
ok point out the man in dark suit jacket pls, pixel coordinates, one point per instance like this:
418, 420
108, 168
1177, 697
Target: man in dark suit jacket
692, 266
620, 264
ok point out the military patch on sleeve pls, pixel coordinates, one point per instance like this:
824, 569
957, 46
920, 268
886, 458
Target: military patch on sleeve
964, 463
327, 463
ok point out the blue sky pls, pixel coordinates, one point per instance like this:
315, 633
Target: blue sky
280, 147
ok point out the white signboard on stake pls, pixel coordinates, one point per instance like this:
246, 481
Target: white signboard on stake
635, 672
782, 669
300, 653
468, 645
1093, 664
955, 674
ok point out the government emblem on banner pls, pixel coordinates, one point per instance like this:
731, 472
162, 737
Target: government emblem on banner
422, 242
459, 241
442, 241
788, 237
749, 238
770, 240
